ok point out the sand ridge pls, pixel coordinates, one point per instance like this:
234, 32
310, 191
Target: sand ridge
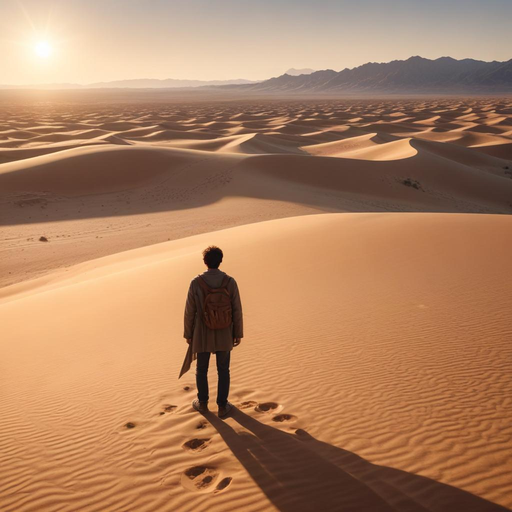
97, 179
405, 348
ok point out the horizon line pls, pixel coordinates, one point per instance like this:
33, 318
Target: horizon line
90, 84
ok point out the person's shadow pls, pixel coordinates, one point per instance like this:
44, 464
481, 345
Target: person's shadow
299, 473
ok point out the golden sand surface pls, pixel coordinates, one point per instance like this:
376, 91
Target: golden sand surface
99, 179
371, 244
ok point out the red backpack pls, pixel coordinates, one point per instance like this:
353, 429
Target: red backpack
217, 313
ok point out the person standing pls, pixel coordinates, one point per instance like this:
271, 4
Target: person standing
213, 324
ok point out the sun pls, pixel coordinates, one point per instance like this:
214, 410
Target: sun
43, 49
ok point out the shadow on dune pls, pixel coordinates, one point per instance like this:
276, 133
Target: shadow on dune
328, 184
299, 473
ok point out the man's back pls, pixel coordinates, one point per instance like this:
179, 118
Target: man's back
203, 339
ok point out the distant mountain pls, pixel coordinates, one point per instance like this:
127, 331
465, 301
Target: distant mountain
297, 72
143, 83
414, 75
149, 83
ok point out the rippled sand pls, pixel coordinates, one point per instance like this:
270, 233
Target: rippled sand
374, 372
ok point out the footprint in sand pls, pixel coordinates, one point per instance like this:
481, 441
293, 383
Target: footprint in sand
268, 407
223, 484
196, 445
280, 418
205, 478
248, 404
199, 478
167, 408
273, 408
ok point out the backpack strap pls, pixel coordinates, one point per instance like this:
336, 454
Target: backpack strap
208, 289
203, 284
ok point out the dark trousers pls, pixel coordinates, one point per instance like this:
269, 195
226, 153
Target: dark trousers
203, 360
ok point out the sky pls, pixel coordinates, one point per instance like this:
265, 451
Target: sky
87, 41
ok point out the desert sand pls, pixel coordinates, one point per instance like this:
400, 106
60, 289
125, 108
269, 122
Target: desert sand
97, 179
385, 387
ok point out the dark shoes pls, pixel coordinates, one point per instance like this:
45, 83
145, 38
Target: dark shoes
224, 410
200, 406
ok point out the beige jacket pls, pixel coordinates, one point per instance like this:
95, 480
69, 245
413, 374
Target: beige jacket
203, 338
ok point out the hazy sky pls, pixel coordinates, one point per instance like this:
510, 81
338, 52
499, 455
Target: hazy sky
102, 40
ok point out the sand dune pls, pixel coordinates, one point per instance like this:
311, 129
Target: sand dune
244, 144
263, 144
403, 336
339, 147
164, 135
130, 204
89, 170
405, 347
462, 155
503, 151
365, 148
95, 181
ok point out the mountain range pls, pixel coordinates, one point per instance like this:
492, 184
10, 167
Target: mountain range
414, 75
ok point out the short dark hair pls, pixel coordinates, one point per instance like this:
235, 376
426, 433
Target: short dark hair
212, 256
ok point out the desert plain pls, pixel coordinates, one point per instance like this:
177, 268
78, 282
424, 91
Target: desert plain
371, 243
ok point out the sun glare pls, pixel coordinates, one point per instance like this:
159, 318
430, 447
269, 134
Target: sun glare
43, 49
